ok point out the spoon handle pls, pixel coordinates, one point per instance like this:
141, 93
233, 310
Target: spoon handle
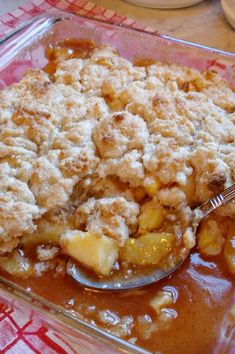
219, 200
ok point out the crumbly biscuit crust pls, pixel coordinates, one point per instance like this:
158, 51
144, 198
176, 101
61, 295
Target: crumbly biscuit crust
105, 123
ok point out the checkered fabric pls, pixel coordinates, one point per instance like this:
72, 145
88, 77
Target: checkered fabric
37, 7
19, 333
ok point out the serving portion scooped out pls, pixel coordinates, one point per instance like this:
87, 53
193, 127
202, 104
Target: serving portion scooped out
150, 248
104, 161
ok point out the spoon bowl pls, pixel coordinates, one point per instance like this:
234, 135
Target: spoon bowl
116, 281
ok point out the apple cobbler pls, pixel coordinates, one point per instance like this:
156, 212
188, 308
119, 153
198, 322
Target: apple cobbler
103, 160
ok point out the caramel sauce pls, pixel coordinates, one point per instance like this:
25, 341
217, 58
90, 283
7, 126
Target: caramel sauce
204, 290
203, 284
144, 62
68, 49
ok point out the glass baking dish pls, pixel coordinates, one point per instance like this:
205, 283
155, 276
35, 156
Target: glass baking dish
25, 48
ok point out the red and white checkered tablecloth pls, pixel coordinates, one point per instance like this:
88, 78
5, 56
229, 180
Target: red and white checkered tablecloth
36, 7
19, 333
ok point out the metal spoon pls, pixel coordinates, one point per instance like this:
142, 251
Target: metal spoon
145, 277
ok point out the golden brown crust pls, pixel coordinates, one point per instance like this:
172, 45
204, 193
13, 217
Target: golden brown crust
106, 124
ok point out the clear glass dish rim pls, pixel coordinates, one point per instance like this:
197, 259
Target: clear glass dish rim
33, 301
55, 15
